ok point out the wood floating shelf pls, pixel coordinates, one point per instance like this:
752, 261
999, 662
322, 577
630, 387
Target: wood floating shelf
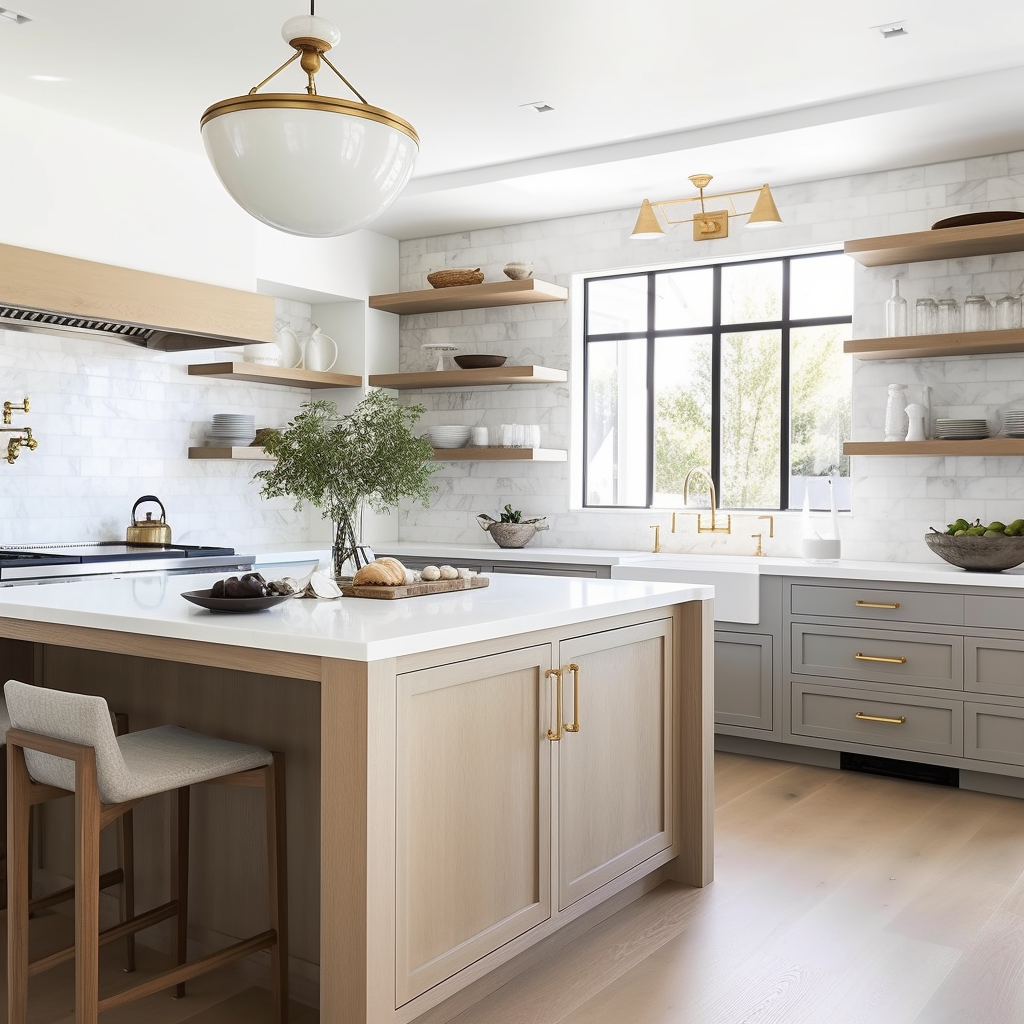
253, 453
487, 377
500, 455
938, 244
470, 296
291, 377
971, 343
984, 446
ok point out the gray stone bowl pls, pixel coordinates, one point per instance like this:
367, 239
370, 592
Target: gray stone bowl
518, 535
978, 554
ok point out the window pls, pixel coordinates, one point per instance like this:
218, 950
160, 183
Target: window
736, 367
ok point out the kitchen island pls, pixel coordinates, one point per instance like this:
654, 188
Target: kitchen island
468, 773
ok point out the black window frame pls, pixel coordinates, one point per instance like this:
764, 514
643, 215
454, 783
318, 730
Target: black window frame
785, 325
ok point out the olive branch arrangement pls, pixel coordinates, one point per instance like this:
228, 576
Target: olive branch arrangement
337, 462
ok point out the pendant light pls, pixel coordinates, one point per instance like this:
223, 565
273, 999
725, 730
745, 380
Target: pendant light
304, 163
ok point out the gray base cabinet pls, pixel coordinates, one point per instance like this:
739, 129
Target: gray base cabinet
906, 672
744, 681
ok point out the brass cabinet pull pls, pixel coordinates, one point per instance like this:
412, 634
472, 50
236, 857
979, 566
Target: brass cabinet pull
575, 727
876, 604
556, 734
874, 657
860, 716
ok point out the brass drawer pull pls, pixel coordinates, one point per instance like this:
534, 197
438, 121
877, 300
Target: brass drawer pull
556, 734
575, 726
876, 604
861, 717
875, 657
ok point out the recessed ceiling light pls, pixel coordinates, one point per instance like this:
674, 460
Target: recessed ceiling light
539, 105
8, 15
47, 78
892, 29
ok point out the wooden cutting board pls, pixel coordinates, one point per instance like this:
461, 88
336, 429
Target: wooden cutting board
415, 589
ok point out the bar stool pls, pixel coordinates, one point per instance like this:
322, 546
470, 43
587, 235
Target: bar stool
123, 875
61, 743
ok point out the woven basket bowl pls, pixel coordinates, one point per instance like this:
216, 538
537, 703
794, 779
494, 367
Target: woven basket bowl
978, 554
452, 278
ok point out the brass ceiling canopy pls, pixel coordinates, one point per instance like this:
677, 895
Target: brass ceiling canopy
706, 223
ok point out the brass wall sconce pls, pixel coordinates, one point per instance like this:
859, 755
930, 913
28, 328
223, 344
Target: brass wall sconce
706, 223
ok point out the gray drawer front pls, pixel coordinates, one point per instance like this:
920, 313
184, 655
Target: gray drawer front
945, 609
995, 612
929, 725
993, 733
994, 666
743, 680
931, 660
530, 569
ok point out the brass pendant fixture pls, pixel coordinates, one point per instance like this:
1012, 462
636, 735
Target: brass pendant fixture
304, 163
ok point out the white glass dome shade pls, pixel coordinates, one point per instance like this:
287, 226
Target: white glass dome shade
308, 164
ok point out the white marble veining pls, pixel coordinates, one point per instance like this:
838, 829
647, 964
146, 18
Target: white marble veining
350, 628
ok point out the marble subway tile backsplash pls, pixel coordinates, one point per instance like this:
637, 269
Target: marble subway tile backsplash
895, 499
115, 422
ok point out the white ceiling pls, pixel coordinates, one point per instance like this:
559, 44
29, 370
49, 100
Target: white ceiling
644, 94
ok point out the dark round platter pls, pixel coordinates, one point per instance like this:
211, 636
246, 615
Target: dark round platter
234, 604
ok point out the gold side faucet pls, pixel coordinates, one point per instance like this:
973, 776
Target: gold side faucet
701, 528
26, 440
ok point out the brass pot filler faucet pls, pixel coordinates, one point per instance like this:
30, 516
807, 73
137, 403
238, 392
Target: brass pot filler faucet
15, 444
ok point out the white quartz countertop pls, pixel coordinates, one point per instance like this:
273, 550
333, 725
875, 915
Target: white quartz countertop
931, 572
350, 628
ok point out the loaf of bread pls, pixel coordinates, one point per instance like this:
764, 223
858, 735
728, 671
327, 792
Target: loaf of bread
385, 572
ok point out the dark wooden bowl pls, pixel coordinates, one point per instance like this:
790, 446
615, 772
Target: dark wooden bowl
479, 362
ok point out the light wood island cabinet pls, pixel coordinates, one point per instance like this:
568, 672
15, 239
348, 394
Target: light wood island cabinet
437, 838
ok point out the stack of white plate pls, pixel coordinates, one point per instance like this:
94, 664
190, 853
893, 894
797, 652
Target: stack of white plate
1013, 422
231, 430
960, 430
448, 436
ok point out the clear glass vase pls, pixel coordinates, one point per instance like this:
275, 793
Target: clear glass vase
896, 313
348, 552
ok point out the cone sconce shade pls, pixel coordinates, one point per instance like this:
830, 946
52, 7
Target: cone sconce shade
765, 212
706, 223
308, 164
647, 225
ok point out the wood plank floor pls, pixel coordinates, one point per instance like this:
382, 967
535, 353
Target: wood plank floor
839, 899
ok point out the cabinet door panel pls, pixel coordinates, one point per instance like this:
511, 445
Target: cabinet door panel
614, 775
473, 812
743, 680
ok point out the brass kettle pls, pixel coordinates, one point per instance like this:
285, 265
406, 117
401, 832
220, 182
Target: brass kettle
149, 530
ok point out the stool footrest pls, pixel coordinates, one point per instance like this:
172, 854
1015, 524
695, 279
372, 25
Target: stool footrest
52, 899
119, 931
177, 975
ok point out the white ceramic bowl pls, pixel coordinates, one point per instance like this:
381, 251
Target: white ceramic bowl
448, 436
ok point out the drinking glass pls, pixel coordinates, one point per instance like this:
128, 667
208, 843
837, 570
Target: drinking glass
949, 316
977, 313
926, 317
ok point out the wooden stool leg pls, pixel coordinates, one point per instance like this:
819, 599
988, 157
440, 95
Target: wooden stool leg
179, 877
277, 881
126, 861
17, 885
87, 890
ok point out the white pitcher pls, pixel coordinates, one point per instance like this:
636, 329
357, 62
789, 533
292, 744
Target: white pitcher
321, 351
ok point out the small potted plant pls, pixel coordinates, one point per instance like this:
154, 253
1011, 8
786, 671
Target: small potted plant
338, 463
512, 530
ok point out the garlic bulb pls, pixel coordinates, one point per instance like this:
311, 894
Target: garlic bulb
430, 573
449, 572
